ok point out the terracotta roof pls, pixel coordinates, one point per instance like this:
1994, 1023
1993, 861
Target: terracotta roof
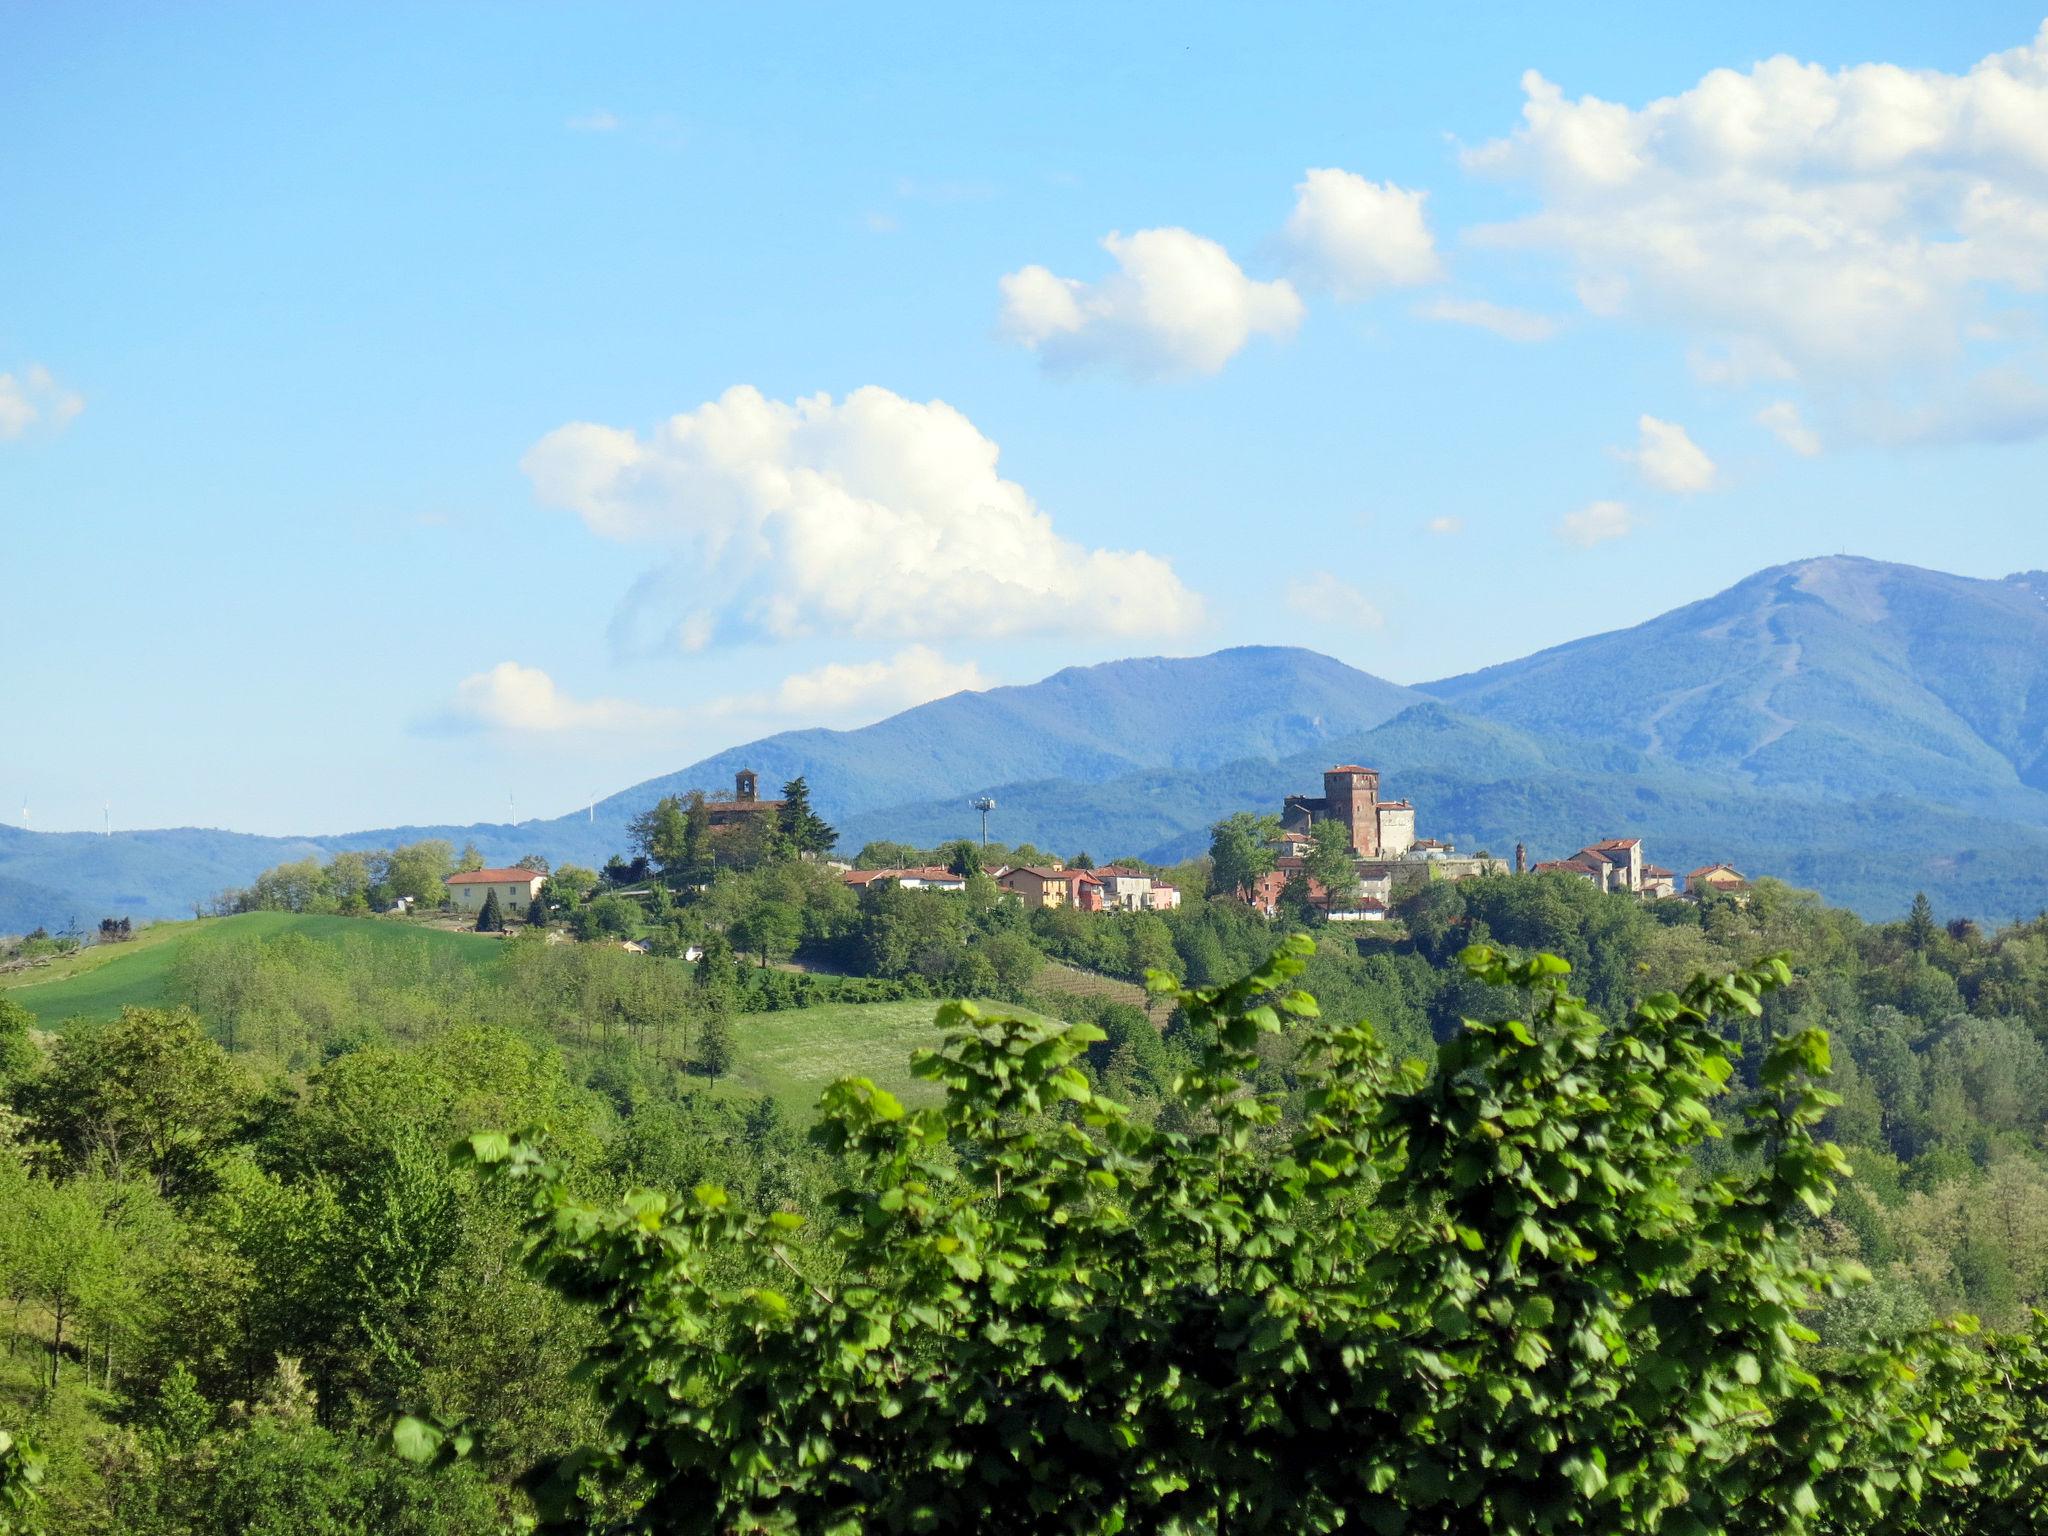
1351, 768
494, 876
1619, 842
1657, 872
1394, 805
1708, 869
927, 872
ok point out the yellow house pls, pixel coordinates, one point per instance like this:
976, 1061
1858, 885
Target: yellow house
515, 888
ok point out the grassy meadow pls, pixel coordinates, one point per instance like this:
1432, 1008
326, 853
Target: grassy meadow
97, 983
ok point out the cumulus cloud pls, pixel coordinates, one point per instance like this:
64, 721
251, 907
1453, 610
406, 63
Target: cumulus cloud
871, 516
916, 674
1510, 324
1327, 600
1445, 526
1177, 304
1355, 237
1856, 223
1596, 523
510, 697
1782, 420
33, 400
1666, 456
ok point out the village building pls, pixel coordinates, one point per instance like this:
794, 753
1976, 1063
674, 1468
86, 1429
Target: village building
1351, 795
1616, 864
1716, 879
515, 888
745, 805
1051, 886
1132, 890
928, 878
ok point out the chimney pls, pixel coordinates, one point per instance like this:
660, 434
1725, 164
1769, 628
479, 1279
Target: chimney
1521, 860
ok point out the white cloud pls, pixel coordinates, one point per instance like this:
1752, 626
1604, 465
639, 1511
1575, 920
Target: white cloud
1863, 223
34, 400
525, 700
1329, 601
599, 121
1596, 523
871, 516
916, 674
1355, 237
1666, 456
1512, 324
1782, 420
511, 697
1444, 526
1177, 305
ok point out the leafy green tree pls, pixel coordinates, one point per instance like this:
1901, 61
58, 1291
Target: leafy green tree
661, 834
1498, 1297
718, 970
418, 870
490, 919
772, 931
610, 916
22, 1468
1240, 851
715, 1047
802, 829
148, 1093
962, 856
18, 1054
1330, 861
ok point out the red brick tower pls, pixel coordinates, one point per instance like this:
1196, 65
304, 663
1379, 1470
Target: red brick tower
1353, 796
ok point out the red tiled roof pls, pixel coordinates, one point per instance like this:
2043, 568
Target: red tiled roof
494, 876
1708, 869
1394, 805
1657, 872
1351, 768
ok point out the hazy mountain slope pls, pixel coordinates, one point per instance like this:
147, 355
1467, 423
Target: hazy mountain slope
1081, 723
1842, 676
1085, 723
1485, 785
1863, 728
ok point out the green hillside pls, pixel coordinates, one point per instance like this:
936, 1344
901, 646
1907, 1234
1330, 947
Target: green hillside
99, 982
793, 1055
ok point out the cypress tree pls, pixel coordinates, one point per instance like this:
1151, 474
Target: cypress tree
490, 919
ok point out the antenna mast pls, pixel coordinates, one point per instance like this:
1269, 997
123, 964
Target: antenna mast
984, 804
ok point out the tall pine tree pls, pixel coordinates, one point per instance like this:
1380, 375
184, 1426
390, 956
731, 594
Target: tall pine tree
491, 919
803, 830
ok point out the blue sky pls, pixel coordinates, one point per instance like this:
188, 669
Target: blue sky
407, 409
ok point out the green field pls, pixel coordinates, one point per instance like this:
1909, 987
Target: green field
99, 982
794, 1054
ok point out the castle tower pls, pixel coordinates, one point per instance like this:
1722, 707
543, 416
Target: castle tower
1352, 794
745, 786
1521, 860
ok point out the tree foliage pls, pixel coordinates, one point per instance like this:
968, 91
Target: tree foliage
1496, 1296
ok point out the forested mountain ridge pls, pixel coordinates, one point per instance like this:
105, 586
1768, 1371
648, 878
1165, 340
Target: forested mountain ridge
1082, 723
1863, 728
1841, 676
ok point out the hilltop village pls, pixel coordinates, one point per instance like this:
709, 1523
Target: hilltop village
1384, 853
